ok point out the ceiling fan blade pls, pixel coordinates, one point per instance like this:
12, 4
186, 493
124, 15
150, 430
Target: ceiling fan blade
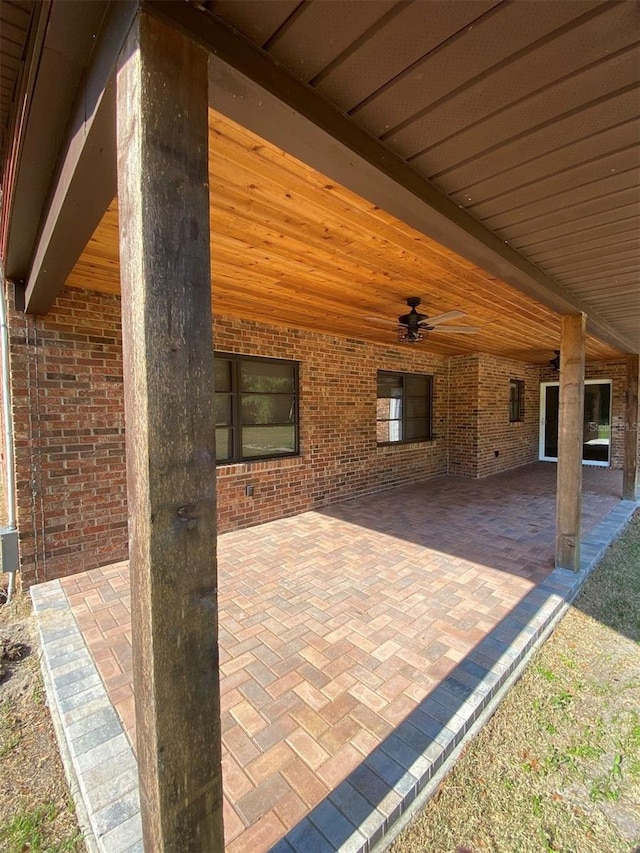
448, 315
382, 320
458, 330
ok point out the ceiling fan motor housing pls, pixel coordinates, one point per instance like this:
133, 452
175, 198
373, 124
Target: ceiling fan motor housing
412, 319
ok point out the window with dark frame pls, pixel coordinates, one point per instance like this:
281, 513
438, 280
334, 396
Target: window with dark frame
403, 407
516, 400
256, 408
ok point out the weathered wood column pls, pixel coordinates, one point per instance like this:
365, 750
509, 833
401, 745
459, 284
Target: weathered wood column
168, 375
570, 438
631, 427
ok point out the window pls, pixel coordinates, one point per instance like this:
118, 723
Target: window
403, 408
516, 400
256, 408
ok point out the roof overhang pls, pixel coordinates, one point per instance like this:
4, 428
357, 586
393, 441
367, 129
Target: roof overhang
253, 89
64, 168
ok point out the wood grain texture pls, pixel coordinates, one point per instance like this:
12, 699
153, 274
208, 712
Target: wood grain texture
570, 438
168, 379
293, 249
631, 427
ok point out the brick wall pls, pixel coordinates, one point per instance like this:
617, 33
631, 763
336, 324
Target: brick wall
69, 428
482, 441
66, 377
479, 412
463, 372
503, 445
69, 425
339, 453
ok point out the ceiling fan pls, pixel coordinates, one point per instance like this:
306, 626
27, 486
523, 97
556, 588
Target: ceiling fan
413, 327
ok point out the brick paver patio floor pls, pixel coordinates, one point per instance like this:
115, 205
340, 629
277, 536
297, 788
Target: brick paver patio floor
335, 624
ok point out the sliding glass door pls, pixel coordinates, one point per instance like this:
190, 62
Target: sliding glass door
596, 427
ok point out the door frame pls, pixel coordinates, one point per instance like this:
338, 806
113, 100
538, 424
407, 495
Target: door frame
543, 414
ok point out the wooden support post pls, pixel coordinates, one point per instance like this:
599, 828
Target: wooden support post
631, 427
570, 438
163, 197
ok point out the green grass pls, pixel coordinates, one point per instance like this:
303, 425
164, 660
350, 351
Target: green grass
612, 595
31, 831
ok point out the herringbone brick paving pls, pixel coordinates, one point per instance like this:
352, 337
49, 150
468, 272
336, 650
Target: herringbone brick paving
334, 625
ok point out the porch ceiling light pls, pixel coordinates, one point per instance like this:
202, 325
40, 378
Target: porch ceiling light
411, 335
413, 327
555, 361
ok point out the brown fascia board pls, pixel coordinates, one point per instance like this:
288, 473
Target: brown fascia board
83, 192
86, 181
249, 87
55, 72
60, 215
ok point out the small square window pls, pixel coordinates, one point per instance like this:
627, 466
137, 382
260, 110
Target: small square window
516, 400
403, 407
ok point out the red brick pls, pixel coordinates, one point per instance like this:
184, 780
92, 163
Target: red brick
66, 382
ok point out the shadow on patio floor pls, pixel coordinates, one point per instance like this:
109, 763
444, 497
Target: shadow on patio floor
352, 663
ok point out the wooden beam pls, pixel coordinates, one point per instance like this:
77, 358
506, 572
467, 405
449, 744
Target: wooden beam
570, 438
85, 180
631, 426
169, 401
249, 87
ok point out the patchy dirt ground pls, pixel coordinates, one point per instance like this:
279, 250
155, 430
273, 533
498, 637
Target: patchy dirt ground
558, 766
36, 813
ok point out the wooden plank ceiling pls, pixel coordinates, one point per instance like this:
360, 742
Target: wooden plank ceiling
292, 249
526, 114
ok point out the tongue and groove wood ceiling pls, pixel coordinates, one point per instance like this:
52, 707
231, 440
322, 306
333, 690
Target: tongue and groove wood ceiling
523, 113
290, 248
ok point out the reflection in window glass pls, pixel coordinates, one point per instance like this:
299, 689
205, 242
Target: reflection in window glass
268, 409
257, 399
222, 407
389, 384
403, 407
268, 441
268, 377
516, 400
222, 374
223, 445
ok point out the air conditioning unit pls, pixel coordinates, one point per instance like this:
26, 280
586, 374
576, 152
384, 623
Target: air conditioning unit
8, 550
